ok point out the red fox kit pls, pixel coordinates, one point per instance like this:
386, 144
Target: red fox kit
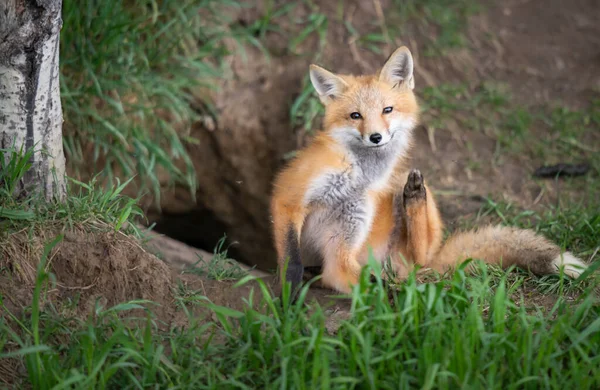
350, 190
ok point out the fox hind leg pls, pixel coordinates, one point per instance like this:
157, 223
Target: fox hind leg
415, 206
422, 224
414, 189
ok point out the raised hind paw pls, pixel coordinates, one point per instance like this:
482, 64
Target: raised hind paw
414, 190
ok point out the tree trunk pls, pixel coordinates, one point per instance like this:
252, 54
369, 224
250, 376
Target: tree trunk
30, 108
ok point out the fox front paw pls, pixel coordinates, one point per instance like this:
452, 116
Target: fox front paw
414, 190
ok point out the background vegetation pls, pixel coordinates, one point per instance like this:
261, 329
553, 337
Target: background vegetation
137, 75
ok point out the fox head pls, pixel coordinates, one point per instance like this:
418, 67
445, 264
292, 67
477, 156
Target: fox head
376, 111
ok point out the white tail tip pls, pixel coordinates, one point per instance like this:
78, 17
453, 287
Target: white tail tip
573, 267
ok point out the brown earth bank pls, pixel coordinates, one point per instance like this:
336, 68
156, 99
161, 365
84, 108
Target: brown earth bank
96, 270
545, 51
91, 268
93, 271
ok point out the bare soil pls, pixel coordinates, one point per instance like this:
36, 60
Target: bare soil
91, 268
100, 269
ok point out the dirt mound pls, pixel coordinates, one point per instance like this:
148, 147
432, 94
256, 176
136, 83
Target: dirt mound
105, 267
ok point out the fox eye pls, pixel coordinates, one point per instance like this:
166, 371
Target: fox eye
387, 110
355, 115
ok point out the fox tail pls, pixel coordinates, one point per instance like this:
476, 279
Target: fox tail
508, 246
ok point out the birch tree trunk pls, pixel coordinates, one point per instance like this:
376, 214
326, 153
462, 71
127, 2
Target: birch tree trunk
30, 108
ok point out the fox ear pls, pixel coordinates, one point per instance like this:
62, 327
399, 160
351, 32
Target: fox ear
327, 85
398, 69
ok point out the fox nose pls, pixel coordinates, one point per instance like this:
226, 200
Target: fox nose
375, 138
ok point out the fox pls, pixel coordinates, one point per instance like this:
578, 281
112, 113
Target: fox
350, 193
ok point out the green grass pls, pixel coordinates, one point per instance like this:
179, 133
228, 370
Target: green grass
135, 76
547, 134
574, 132
86, 203
567, 133
306, 111
481, 107
458, 332
315, 23
219, 267
441, 23
438, 24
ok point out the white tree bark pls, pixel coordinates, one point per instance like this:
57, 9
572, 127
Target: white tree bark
30, 107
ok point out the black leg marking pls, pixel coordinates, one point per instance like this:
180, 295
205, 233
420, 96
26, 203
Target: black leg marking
313, 271
294, 267
385, 283
389, 288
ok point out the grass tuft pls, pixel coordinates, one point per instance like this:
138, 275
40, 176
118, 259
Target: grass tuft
219, 267
86, 203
